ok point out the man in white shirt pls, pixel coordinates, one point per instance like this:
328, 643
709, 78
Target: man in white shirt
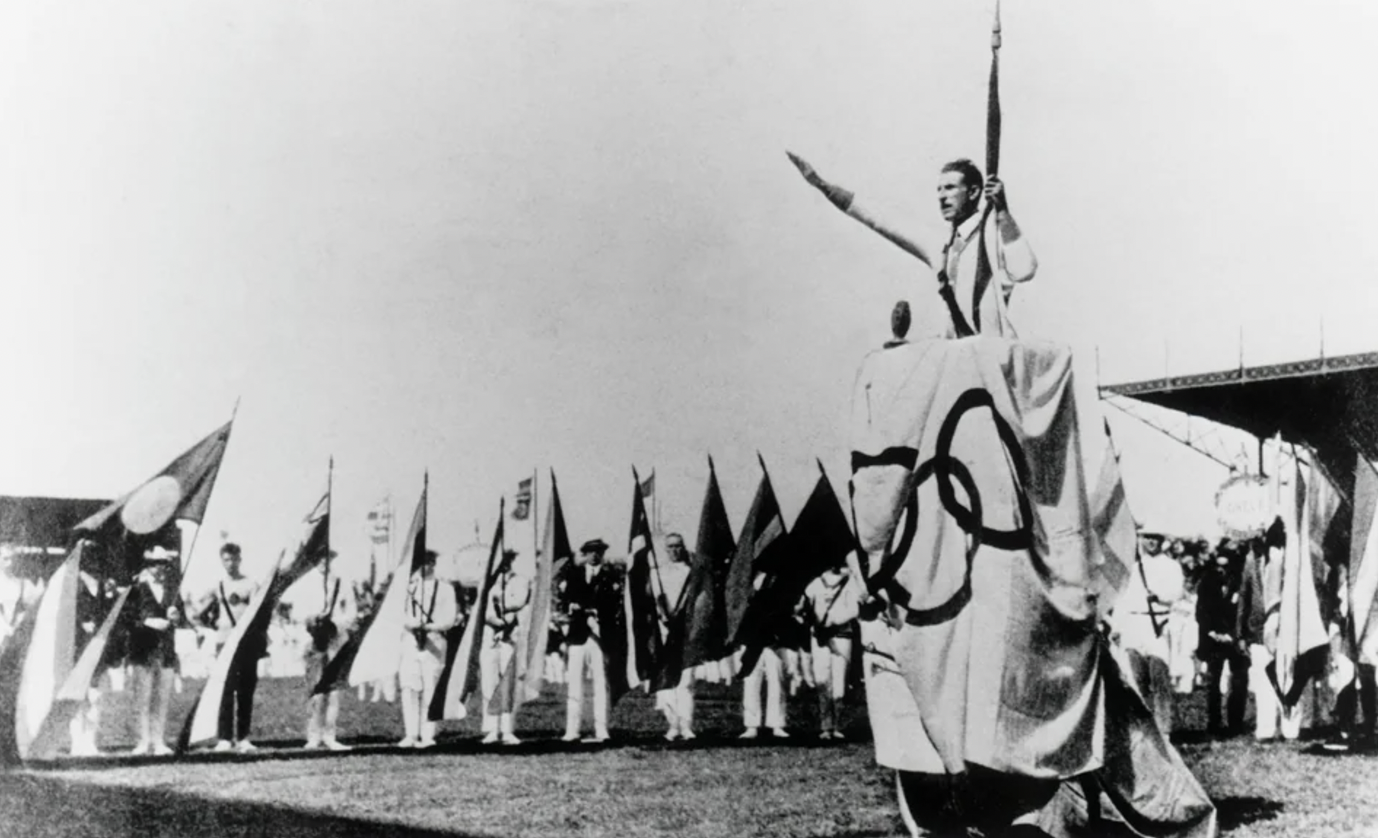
509, 595
231, 596
831, 604
980, 301
328, 631
1140, 620
677, 702
431, 610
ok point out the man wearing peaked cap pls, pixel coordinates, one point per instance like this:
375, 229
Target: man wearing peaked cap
509, 594
152, 647
582, 588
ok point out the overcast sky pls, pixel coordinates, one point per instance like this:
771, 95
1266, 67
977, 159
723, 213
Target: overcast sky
482, 237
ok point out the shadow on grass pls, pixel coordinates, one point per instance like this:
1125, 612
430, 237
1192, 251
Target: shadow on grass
48, 807
288, 750
1234, 812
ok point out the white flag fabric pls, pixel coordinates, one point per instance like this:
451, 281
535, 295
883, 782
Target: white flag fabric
50, 658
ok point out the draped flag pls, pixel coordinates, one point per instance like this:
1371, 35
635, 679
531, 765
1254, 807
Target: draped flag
644, 640
12, 656
534, 631
970, 502
757, 551
705, 632
1114, 527
374, 651
1302, 644
821, 538
245, 643
1363, 563
49, 658
74, 691
179, 492
459, 679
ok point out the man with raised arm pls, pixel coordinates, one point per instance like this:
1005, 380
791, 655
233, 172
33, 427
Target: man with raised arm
979, 296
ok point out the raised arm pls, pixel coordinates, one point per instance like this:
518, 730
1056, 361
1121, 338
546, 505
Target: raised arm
845, 200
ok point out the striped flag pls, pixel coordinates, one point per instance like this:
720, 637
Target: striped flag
49, 658
757, 552
534, 632
1113, 525
242, 647
460, 678
1363, 563
644, 640
822, 538
374, 651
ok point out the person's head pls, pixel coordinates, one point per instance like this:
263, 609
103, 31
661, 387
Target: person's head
161, 565
505, 562
1177, 549
1151, 543
592, 552
231, 557
426, 566
959, 190
674, 545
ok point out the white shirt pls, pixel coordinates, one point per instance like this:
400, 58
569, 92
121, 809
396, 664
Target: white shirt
1010, 263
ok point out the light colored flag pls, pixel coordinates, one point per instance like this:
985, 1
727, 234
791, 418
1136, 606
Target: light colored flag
1363, 563
50, 656
1302, 644
374, 651
533, 632
1114, 527
460, 678
239, 650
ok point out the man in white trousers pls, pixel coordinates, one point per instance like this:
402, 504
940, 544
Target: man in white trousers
431, 610
509, 595
585, 585
677, 702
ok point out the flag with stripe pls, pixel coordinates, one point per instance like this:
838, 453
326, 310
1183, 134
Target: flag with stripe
1114, 527
757, 552
644, 639
1363, 563
243, 647
821, 539
374, 651
533, 633
49, 659
459, 679
705, 634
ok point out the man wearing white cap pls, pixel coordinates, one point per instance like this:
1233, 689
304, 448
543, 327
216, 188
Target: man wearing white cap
152, 648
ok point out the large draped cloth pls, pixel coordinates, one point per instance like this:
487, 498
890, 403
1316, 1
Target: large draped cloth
970, 501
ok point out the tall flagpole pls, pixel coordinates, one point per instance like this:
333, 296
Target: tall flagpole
535, 517
329, 502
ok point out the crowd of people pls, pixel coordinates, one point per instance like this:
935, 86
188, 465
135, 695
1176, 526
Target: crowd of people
1197, 615
812, 649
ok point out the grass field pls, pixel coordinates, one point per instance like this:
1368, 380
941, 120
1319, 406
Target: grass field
639, 785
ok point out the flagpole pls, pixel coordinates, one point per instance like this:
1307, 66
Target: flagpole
329, 502
535, 516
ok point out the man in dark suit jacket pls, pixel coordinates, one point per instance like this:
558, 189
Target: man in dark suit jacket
590, 594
